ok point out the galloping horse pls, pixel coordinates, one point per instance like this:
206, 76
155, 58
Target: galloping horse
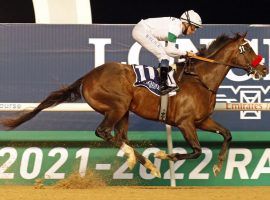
109, 90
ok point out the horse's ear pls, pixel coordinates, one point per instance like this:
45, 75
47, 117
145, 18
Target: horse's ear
241, 37
244, 34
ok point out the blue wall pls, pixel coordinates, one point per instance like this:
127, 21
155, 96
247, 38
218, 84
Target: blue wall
37, 59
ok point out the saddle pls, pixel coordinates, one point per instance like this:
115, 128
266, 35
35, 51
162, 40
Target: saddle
148, 77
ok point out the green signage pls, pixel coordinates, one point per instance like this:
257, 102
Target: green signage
26, 156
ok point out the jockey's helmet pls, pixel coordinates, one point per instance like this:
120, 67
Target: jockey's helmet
192, 17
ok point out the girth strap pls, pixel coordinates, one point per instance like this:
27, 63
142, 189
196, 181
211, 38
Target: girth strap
163, 107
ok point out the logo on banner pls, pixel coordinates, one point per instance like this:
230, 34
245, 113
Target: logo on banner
250, 100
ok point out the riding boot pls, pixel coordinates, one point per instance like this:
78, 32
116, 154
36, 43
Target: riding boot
164, 69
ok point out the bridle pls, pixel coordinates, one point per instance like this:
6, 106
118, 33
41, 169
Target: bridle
249, 67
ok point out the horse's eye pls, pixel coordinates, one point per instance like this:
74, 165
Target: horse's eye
249, 49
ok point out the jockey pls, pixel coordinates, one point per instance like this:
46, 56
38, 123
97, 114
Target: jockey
149, 32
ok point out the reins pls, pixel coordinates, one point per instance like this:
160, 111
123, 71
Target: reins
213, 61
253, 64
251, 67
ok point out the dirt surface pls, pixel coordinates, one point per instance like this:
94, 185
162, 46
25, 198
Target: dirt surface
93, 187
134, 193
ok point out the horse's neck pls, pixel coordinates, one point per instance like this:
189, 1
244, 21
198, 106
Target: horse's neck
212, 74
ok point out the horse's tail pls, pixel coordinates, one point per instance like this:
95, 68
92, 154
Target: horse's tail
70, 93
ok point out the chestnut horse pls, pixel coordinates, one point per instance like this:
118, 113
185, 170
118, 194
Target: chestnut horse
109, 90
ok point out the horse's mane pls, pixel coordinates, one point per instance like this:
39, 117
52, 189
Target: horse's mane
217, 44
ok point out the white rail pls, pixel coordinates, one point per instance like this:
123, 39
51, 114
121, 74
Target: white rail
84, 107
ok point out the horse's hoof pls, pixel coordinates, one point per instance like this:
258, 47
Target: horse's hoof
131, 162
161, 155
156, 173
153, 170
129, 152
216, 170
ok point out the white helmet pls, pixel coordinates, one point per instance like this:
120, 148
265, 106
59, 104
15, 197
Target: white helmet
192, 17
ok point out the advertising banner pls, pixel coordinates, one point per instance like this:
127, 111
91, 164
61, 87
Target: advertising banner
38, 59
52, 156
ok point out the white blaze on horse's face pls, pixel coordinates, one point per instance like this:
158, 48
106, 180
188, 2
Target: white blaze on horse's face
245, 48
242, 48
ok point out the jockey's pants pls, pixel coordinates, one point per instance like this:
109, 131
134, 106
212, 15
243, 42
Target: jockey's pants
144, 37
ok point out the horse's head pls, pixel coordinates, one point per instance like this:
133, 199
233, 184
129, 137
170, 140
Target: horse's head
247, 59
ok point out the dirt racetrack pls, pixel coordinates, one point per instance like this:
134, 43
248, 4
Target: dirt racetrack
134, 193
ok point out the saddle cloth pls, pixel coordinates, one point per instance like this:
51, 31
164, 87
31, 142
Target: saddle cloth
148, 77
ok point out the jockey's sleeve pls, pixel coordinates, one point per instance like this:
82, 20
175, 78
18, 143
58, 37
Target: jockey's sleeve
175, 29
172, 51
173, 33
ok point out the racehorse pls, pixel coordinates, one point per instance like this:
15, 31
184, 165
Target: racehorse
109, 90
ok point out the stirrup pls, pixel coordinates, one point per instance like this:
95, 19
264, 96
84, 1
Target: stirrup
168, 89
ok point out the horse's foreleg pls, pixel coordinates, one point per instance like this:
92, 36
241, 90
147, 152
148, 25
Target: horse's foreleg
212, 126
190, 135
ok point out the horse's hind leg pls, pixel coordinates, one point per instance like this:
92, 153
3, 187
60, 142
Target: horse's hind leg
121, 140
210, 125
121, 129
106, 126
